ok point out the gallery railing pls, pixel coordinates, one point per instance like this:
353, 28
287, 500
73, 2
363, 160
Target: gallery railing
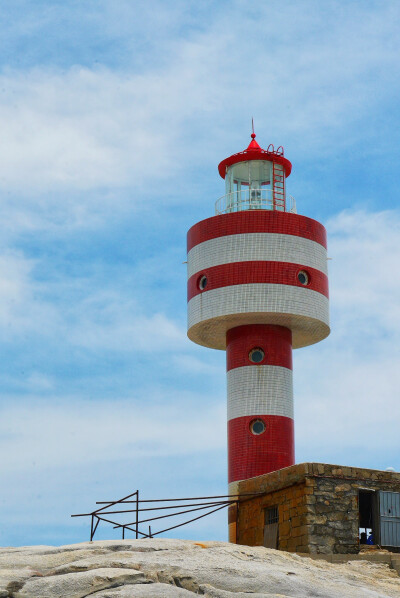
253, 199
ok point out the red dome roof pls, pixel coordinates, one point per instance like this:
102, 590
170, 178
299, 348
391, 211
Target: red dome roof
255, 152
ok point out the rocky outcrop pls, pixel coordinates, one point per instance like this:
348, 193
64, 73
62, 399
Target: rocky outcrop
180, 569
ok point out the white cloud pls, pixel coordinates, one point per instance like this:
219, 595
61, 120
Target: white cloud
64, 431
125, 332
37, 382
80, 130
79, 311
364, 271
347, 394
20, 310
14, 271
346, 401
195, 366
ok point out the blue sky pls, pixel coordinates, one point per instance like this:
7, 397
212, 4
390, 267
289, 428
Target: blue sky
114, 116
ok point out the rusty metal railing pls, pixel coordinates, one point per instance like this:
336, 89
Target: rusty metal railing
210, 504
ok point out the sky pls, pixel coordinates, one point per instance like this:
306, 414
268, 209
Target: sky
114, 115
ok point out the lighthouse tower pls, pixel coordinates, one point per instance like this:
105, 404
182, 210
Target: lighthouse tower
257, 287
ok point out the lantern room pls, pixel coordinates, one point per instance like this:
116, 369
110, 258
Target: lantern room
255, 179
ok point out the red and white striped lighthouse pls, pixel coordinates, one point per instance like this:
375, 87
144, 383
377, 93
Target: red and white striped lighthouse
257, 287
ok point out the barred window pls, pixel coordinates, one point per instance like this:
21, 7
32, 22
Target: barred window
271, 515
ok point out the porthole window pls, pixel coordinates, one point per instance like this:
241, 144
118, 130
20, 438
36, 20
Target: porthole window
202, 282
256, 355
257, 427
303, 277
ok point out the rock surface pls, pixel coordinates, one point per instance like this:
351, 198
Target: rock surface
182, 568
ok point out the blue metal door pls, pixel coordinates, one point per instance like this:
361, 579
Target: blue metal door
389, 514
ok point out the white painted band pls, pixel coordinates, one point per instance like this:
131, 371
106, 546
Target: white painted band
247, 247
260, 390
212, 313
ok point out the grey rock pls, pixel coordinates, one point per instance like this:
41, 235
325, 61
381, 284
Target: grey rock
78, 585
182, 568
155, 590
12, 580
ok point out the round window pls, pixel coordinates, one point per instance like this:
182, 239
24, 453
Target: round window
303, 277
256, 355
257, 427
202, 282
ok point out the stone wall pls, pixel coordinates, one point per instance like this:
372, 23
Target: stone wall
317, 504
333, 510
332, 516
292, 509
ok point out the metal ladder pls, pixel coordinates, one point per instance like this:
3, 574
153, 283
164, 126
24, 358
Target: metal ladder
278, 179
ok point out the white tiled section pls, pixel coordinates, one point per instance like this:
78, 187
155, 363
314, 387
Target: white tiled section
212, 313
260, 390
257, 247
258, 297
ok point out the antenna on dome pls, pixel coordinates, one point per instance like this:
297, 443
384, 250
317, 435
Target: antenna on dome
253, 135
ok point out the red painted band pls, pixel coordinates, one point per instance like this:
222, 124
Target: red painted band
250, 455
275, 341
226, 275
256, 221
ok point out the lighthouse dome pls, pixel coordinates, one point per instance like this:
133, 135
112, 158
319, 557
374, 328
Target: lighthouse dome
255, 152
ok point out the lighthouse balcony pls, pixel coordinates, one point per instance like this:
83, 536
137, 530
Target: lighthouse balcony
254, 199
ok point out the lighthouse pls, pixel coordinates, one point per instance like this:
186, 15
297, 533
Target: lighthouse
257, 288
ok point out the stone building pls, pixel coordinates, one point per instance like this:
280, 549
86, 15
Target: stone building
317, 508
